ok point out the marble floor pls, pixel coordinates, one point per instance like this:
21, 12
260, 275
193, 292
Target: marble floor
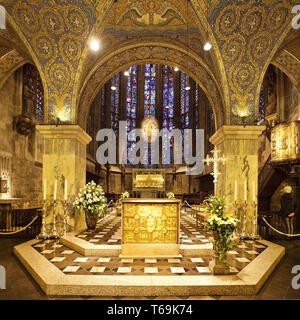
20, 285
71, 262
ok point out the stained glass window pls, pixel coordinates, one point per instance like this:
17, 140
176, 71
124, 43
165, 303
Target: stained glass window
261, 105
168, 110
33, 93
197, 106
211, 125
131, 107
149, 103
102, 108
115, 103
184, 106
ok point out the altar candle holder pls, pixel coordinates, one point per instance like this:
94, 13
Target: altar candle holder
54, 231
43, 234
244, 229
65, 219
235, 208
254, 234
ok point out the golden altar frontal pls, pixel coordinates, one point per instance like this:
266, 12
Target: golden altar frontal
150, 227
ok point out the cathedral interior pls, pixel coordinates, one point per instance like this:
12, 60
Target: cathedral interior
69, 69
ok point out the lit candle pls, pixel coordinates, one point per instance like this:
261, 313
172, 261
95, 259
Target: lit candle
45, 189
245, 191
235, 191
253, 188
66, 189
55, 189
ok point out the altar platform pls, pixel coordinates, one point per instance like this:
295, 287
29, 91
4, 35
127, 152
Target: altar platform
89, 263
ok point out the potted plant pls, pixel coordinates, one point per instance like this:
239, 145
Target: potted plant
91, 199
170, 195
222, 225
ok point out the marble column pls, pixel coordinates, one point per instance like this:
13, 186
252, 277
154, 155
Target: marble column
239, 145
64, 159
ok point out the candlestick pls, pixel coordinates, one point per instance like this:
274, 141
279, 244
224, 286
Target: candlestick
253, 189
235, 191
254, 222
43, 234
45, 189
65, 219
66, 189
55, 189
54, 232
244, 230
245, 191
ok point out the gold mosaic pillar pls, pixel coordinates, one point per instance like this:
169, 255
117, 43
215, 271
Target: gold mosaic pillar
64, 158
239, 145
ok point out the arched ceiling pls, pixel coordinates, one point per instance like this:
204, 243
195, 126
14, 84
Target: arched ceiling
156, 52
287, 59
245, 36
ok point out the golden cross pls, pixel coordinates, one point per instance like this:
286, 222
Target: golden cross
215, 160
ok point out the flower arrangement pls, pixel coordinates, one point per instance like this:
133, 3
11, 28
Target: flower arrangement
91, 199
221, 223
125, 195
170, 195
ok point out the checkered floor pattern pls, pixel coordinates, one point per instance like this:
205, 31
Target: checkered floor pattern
108, 232
71, 262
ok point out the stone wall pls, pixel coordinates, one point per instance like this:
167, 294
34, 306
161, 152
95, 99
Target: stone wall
25, 152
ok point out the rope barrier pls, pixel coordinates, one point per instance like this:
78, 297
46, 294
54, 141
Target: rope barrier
285, 234
24, 228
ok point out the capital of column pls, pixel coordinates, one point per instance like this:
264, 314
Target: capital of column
236, 133
64, 132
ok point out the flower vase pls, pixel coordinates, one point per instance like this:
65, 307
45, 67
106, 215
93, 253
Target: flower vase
216, 266
91, 221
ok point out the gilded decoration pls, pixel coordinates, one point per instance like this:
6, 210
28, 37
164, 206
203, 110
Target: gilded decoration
56, 32
290, 65
151, 13
246, 33
185, 31
150, 222
285, 142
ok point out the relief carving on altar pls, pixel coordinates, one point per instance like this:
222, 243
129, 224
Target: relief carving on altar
150, 223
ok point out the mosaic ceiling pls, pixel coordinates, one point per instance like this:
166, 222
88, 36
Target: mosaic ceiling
55, 35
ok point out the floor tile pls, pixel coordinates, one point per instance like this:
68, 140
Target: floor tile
58, 259
199, 260
242, 259
103, 260
177, 270
252, 252
126, 260
150, 270
173, 260
150, 261
203, 269
81, 260
124, 270
71, 269
97, 269
232, 252
67, 252
47, 251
